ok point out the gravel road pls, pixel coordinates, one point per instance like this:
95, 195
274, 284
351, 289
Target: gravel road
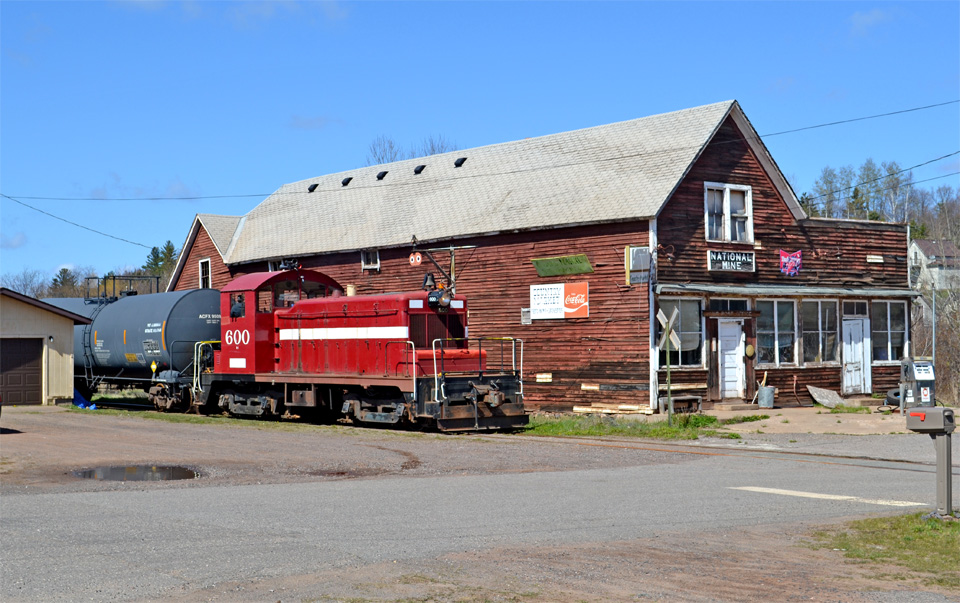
304, 513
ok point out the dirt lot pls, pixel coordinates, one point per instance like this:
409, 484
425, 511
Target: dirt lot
41, 446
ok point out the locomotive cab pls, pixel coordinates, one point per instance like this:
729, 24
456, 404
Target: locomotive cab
247, 306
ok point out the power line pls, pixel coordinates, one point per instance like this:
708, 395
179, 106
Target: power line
555, 166
73, 223
884, 177
905, 184
847, 121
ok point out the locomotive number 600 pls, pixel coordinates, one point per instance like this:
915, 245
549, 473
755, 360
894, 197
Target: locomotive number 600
237, 337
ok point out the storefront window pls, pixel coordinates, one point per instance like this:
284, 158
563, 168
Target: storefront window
776, 332
688, 329
728, 305
888, 324
819, 331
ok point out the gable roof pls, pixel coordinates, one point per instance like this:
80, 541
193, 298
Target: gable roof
220, 229
46, 307
616, 172
939, 249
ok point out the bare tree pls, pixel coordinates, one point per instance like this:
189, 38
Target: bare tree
28, 282
383, 149
432, 145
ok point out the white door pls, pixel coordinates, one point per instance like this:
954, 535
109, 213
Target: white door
854, 364
732, 373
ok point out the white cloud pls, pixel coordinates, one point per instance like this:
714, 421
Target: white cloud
15, 242
862, 23
117, 188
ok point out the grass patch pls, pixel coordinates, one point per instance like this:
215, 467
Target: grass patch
850, 410
909, 546
685, 427
744, 419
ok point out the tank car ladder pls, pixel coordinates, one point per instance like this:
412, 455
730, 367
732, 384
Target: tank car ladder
88, 376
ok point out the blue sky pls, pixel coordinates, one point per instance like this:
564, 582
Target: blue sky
127, 100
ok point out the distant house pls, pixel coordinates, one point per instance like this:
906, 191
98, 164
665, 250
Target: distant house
36, 350
580, 242
935, 264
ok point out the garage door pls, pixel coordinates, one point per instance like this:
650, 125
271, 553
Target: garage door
20, 369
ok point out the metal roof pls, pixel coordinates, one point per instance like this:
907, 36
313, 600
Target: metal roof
798, 290
609, 173
251, 282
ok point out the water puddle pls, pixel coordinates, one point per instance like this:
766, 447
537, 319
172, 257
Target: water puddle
137, 473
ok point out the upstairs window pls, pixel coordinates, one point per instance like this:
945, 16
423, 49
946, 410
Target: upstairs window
205, 274
370, 260
728, 212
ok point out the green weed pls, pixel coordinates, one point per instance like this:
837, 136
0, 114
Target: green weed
744, 419
928, 549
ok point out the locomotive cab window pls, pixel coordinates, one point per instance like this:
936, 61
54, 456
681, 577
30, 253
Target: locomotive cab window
285, 294
264, 301
312, 290
238, 306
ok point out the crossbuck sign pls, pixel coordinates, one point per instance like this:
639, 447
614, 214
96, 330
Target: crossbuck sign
669, 335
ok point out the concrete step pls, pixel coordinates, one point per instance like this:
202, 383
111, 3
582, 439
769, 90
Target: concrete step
863, 401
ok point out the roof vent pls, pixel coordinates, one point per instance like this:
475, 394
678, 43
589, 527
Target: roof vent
346, 181
459, 162
381, 175
312, 187
418, 169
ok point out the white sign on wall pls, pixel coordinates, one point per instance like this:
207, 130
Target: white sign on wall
546, 301
559, 300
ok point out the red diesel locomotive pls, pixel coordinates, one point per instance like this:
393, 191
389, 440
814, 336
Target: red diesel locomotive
292, 343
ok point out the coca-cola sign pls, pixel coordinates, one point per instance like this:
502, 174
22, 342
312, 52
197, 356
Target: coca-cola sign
559, 300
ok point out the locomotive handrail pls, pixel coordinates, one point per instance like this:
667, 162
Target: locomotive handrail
439, 386
413, 355
197, 356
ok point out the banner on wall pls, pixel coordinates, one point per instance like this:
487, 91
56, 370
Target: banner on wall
559, 300
790, 263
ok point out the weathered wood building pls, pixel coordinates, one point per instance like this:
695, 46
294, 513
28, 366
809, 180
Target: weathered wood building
574, 242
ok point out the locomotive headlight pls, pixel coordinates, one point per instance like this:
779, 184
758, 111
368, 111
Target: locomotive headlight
439, 299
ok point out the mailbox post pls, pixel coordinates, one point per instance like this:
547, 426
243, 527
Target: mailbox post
939, 423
